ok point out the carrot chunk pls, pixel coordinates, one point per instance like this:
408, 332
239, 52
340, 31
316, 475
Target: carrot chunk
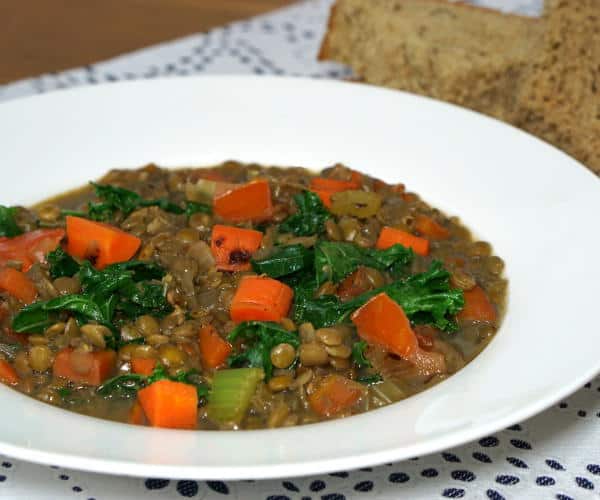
169, 404
214, 350
91, 368
325, 188
143, 366
17, 284
136, 414
383, 322
100, 243
249, 202
477, 306
232, 247
30, 247
8, 375
390, 236
335, 394
430, 228
261, 299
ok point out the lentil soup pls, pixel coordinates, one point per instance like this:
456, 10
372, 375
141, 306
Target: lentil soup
239, 296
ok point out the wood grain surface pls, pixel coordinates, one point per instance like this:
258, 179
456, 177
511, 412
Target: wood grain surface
39, 36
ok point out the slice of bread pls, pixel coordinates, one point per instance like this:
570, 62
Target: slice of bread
560, 98
467, 55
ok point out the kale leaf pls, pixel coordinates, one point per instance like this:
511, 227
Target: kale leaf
310, 217
127, 385
8, 225
285, 261
358, 355
61, 264
334, 261
124, 288
116, 199
425, 297
370, 379
259, 337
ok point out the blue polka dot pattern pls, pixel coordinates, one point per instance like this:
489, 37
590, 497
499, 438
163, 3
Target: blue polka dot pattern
553, 464
453, 493
462, 475
545, 481
519, 443
494, 495
218, 486
364, 486
430, 472
2, 478
488, 442
6, 465
339, 474
398, 477
450, 457
278, 497
584, 483
562, 496
517, 462
507, 479
288, 485
317, 485
482, 457
594, 469
515, 427
187, 488
156, 484
333, 496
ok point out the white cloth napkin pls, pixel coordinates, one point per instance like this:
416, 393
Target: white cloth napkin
553, 455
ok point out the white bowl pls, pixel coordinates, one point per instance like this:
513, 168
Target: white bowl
537, 206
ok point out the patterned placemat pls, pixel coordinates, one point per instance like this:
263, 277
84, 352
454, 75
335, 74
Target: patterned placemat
553, 455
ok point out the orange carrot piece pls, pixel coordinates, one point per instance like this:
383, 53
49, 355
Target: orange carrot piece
17, 284
324, 188
8, 375
136, 414
100, 243
390, 236
214, 350
335, 394
332, 185
30, 247
261, 299
143, 366
249, 202
383, 322
430, 228
91, 368
324, 196
169, 404
477, 306
232, 247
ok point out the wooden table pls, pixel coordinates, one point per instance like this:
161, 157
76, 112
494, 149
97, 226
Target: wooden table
38, 36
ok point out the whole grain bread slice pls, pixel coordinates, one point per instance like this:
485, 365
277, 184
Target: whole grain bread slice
467, 55
560, 98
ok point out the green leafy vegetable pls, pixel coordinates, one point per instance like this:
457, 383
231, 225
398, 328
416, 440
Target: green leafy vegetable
310, 218
334, 261
122, 288
127, 385
370, 379
116, 199
193, 207
285, 261
61, 264
8, 225
358, 355
426, 299
260, 337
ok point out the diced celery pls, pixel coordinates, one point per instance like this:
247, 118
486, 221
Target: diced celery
231, 393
